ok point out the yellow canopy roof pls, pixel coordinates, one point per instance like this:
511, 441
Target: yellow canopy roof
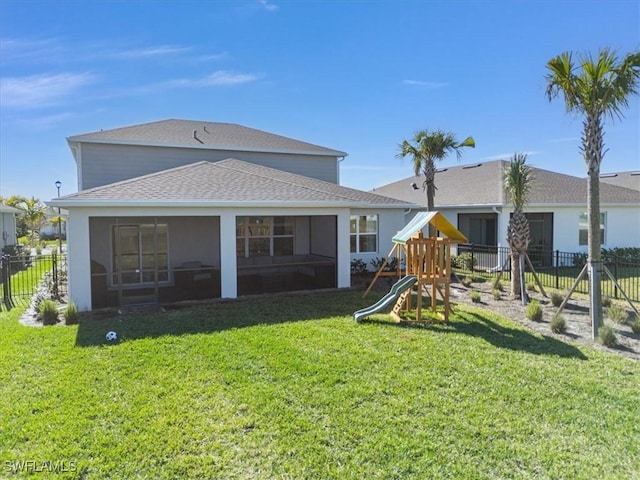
436, 219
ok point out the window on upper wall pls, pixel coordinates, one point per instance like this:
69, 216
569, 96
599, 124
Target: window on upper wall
364, 233
264, 236
583, 227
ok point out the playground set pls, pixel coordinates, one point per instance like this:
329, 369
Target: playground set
423, 265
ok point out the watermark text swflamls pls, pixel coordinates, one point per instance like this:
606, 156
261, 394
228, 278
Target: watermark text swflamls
34, 466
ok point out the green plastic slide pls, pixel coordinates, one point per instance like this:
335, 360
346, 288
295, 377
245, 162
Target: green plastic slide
397, 289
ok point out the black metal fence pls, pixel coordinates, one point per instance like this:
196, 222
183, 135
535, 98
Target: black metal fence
23, 276
554, 268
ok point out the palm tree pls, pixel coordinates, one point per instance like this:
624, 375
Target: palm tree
34, 213
426, 149
517, 185
596, 88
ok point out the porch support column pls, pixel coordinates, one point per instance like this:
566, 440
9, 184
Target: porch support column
344, 249
79, 259
228, 263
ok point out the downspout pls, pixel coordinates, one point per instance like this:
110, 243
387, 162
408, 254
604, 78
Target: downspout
340, 160
501, 261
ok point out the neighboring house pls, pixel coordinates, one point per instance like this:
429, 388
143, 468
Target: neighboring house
472, 197
51, 229
176, 210
8, 225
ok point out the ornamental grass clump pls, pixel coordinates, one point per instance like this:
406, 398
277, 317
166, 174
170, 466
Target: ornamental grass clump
558, 323
607, 336
617, 314
606, 302
70, 314
534, 311
466, 281
556, 299
48, 312
475, 296
497, 285
497, 294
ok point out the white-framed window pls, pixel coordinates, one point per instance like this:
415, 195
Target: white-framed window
364, 233
264, 236
583, 228
139, 251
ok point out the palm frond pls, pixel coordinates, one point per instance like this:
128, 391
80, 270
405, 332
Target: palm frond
517, 180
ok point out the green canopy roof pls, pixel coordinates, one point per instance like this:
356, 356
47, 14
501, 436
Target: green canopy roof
423, 219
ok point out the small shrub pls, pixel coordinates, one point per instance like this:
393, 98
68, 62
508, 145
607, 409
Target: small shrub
497, 285
635, 325
475, 296
531, 287
607, 336
556, 299
391, 265
497, 294
358, 266
534, 311
606, 302
71, 314
466, 281
617, 314
466, 261
558, 323
48, 312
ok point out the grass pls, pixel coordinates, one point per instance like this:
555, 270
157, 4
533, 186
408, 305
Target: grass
292, 387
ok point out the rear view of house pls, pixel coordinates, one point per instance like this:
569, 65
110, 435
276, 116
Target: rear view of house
177, 210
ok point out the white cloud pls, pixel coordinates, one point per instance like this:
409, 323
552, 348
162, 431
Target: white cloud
221, 78
424, 84
158, 51
269, 7
42, 90
16, 50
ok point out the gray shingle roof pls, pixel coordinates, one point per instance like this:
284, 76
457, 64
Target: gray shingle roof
221, 136
230, 182
622, 179
481, 184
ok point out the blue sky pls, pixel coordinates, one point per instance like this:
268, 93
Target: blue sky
356, 76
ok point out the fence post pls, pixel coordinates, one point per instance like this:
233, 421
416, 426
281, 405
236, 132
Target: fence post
472, 258
615, 274
557, 270
5, 276
54, 266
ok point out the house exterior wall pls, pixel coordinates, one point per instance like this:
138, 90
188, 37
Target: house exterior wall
390, 222
7, 229
102, 164
622, 227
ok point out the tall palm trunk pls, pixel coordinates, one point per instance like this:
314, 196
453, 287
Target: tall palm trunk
518, 238
429, 170
592, 146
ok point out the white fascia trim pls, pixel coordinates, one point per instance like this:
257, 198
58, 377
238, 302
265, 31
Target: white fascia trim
218, 204
328, 153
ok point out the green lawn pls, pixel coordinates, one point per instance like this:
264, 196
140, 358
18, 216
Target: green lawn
292, 387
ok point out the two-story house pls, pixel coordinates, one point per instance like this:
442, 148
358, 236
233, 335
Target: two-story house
176, 210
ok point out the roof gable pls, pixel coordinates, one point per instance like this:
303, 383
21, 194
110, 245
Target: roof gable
196, 134
230, 182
